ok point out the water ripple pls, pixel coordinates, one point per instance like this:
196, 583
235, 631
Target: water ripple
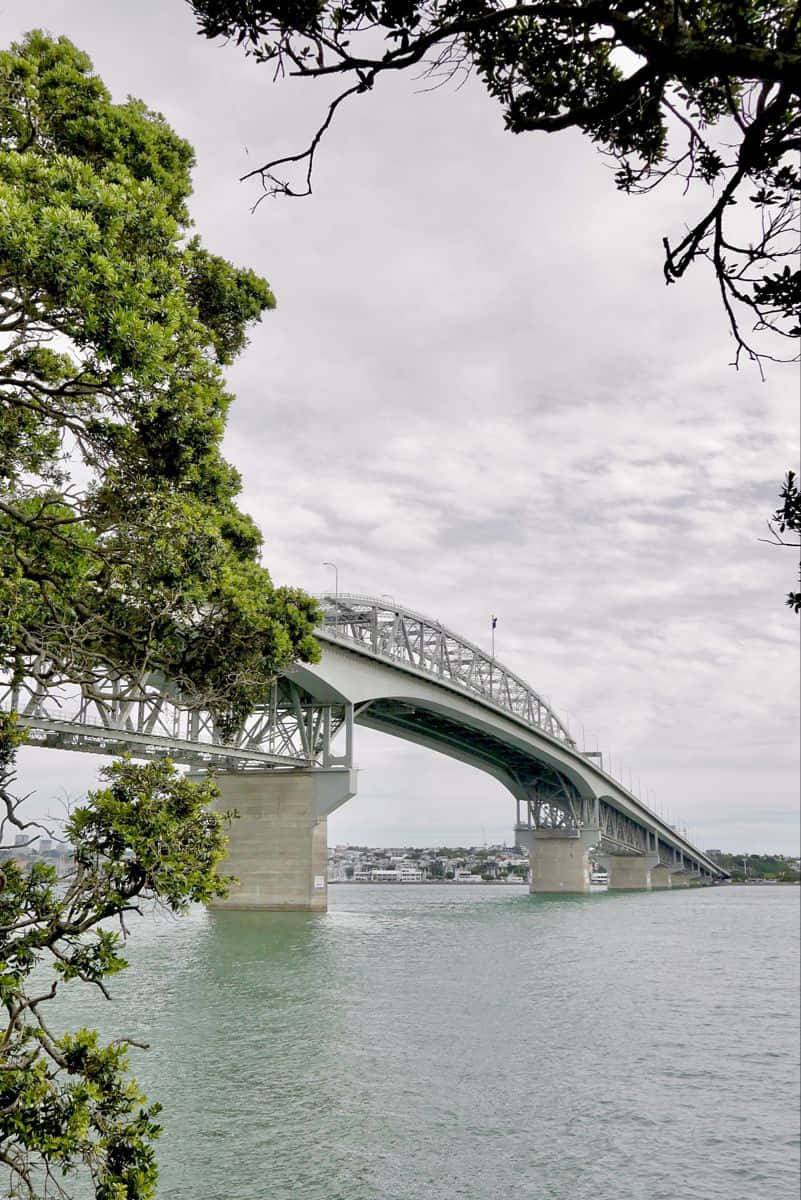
433, 1041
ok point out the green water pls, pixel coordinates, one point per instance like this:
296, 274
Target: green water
420, 1041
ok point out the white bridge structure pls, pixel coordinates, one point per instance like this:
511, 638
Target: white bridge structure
291, 763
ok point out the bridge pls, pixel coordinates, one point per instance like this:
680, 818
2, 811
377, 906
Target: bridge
291, 763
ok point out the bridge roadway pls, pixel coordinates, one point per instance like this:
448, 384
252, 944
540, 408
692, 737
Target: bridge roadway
291, 763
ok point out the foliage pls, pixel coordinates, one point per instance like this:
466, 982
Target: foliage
702, 91
787, 519
68, 1105
760, 866
124, 561
121, 544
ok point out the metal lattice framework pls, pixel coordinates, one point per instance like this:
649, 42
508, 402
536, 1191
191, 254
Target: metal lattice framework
415, 642
111, 715
618, 833
621, 833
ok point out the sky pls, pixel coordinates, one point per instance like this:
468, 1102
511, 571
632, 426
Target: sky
477, 396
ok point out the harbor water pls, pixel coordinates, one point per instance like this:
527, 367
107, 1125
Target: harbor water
470, 1042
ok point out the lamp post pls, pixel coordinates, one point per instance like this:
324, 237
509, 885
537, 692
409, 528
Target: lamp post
336, 595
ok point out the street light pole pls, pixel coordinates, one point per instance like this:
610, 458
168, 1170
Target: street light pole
336, 595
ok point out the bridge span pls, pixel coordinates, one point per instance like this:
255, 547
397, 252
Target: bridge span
291, 764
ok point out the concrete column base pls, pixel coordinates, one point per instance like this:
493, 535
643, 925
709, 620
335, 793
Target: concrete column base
277, 846
660, 877
629, 872
560, 863
679, 879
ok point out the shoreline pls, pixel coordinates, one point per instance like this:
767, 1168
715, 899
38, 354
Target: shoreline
425, 882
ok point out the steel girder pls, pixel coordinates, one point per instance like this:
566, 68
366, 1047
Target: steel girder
618, 833
407, 638
110, 715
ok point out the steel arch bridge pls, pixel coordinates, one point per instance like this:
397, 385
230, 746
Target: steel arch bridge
391, 669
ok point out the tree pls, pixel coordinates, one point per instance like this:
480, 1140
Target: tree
124, 559
701, 91
67, 1105
121, 545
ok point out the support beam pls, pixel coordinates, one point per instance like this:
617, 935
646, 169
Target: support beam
560, 860
277, 846
660, 876
629, 872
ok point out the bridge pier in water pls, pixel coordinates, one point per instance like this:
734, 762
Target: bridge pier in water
630, 872
559, 859
660, 877
278, 846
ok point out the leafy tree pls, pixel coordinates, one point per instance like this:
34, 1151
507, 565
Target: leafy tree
124, 560
67, 1104
702, 91
121, 545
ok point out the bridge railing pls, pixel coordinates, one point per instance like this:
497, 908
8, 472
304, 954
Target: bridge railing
401, 635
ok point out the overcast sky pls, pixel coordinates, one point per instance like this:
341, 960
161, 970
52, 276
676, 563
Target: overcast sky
477, 395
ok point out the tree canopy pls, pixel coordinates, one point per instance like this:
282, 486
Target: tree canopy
124, 559
701, 91
121, 544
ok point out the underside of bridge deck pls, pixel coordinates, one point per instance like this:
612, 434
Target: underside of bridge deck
524, 773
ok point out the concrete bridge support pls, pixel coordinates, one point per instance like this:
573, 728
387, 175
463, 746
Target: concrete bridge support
629, 872
660, 876
277, 846
679, 878
560, 859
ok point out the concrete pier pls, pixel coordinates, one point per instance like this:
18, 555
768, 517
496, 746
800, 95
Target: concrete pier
560, 860
629, 872
660, 876
277, 846
679, 878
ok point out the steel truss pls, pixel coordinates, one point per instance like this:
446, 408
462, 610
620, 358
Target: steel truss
571, 813
146, 718
621, 834
405, 637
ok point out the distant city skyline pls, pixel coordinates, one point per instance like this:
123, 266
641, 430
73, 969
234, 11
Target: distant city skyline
477, 396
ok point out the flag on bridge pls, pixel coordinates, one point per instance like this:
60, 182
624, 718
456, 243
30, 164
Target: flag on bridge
494, 622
